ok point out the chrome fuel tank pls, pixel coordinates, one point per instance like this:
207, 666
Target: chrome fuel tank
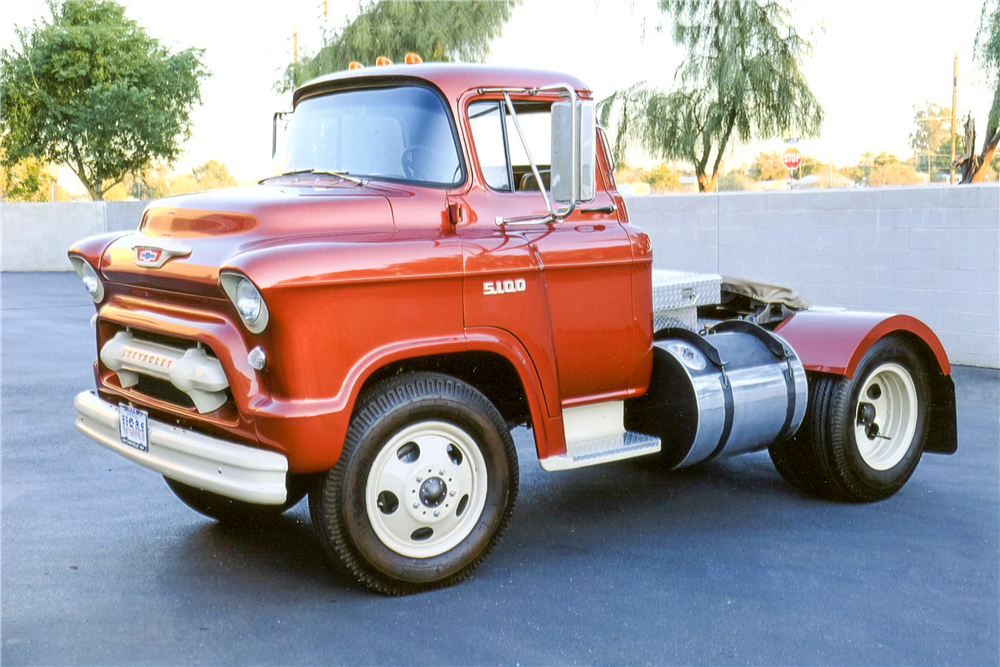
734, 390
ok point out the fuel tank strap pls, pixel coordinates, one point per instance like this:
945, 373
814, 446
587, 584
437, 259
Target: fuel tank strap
790, 409
780, 350
730, 408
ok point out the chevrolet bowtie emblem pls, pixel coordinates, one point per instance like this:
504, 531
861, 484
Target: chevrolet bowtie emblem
147, 255
152, 253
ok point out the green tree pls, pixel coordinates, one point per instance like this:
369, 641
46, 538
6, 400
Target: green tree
741, 78
931, 136
88, 88
987, 50
436, 30
26, 181
769, 167
893, 173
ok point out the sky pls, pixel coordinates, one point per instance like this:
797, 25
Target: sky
872, 61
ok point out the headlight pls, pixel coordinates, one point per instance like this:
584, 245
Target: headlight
247, 299
89, 277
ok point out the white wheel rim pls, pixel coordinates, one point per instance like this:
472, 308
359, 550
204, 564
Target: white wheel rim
885, 430
437, 476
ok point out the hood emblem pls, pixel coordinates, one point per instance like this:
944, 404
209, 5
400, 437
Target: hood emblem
147, 256
152, 253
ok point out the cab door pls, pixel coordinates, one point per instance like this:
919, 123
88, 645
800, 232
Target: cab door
580, 267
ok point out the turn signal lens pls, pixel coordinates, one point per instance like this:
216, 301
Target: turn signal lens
355, 65
381, 61
256, 358
413, 58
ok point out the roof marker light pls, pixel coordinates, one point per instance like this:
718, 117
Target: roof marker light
355, 65
382, 60
413, 58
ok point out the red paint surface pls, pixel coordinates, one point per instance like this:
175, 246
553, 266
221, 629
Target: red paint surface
835, 341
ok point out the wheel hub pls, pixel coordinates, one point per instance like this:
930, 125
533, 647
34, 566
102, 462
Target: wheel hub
433, 492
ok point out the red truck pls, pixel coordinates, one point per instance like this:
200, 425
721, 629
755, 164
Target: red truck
442, 255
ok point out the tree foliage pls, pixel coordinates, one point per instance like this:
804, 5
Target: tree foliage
88, 88
157, 181
987, 50
434, 29
931, 136
741, 78
26, 181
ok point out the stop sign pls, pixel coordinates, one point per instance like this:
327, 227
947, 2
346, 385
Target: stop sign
792, 158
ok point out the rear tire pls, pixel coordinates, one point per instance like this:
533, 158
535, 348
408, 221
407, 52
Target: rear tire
423, 489
861, 439
228, 510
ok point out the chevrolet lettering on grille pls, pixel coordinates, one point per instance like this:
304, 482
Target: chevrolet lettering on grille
146, 358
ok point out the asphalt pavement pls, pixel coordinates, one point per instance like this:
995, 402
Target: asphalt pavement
723, 564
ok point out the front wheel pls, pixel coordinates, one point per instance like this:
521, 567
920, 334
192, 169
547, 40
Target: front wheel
227, 510
862, 438
423, 489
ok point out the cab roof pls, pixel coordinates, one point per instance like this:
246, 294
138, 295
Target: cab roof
452, 79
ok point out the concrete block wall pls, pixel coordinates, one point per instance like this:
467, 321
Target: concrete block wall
35, 237
930, 252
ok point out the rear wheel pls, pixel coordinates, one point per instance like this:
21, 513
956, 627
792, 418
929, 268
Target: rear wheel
862, 438
227, 510
423, 489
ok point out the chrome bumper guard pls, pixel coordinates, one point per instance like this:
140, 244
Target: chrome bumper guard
231, 470
190, 370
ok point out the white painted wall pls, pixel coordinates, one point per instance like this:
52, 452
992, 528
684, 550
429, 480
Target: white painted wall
35, 237
932, 252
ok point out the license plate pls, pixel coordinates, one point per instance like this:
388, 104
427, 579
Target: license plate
132, 427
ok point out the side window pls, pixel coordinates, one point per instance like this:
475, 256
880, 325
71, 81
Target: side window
487, 132
501, 153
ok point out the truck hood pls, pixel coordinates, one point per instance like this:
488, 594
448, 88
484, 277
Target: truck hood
184, 241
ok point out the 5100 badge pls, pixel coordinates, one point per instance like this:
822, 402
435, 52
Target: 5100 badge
132, 427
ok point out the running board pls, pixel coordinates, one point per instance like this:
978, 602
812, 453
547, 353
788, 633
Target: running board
596, 434
604, 449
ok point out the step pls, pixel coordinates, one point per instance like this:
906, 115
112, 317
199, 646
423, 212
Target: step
602, 449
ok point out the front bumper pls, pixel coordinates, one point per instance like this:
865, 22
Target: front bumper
231, 470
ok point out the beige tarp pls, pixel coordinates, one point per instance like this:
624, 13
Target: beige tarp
765, 292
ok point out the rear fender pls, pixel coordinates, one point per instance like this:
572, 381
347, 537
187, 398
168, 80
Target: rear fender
834, 342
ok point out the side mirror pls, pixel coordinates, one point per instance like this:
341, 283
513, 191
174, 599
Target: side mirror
574, 161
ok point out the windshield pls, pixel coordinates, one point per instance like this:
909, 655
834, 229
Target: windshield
402, 133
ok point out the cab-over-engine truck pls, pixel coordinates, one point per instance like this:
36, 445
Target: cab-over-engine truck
441, 255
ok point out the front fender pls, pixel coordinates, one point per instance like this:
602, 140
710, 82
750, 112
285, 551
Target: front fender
834, 342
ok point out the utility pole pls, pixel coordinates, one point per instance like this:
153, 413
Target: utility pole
954, 104
295, 59
324, 9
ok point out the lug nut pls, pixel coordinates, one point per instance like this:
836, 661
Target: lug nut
419, 479
437, 513
452, 494
441, 471
416, 505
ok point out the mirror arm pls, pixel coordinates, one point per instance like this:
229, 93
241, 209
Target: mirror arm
274, 130
527, 150
554, 215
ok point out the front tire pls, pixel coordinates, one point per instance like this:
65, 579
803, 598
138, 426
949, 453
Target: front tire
228, 510
862, 438
423, 489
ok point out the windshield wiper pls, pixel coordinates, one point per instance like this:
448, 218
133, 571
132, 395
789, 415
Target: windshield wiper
339, 174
